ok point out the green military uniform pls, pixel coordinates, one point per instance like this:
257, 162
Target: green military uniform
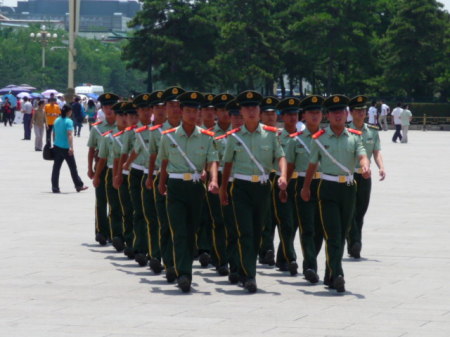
267, 248
311, 232
185, 191
251, 188
336, 191
102, 226
371, 142
285, 212
112, 195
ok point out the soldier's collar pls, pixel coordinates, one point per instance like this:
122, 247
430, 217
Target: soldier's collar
180, 131
258, 129
352, 126
330, 132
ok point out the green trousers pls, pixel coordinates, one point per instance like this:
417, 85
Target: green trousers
251, 201
285, 215
336, 206
203, 238
184, 211
115, 211
364, 186
165, 237
268, 228
218, 231
149, 208
101, 208
140, 226
231, 234
127, 211
311, 231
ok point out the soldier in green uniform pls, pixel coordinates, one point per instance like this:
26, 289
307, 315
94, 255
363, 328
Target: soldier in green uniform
102, 226
168, 107
285, 212
106, 159
337, 149
267, 249
184, 152
297, 155
250, 153
371, 142
122, 177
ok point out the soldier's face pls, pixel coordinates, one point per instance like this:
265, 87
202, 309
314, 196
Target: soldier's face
110, 116
358, 114
132, 119
121, 121
269, 118
236, 121
337, 117
290, 119
145, 114
208, 114
223, 116
190, 115
173, 110
313, 117
160, 112
250, 113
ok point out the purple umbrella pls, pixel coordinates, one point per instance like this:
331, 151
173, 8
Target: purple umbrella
13, 90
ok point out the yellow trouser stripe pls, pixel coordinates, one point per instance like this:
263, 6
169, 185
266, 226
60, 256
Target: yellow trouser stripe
297, 215
159, 221
213, 227
277, 218
129, 191
173, 240
123, 211
323, 226
149, 237
107, 200
236, 223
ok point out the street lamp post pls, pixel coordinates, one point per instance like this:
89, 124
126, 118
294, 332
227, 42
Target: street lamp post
44, 38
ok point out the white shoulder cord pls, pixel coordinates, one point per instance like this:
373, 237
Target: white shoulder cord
303, 143
196, 176
338, 164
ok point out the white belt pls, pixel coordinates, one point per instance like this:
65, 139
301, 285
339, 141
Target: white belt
126, 172
230, 180
220, 169
252, 178
359, 170
338, 179
139, 167
185, 176
146, 171
317, 175
110, 166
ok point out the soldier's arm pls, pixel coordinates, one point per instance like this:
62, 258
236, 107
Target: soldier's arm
306, 189
379, 161
226, 173
162, 187
151, 168
98, 170
91, 155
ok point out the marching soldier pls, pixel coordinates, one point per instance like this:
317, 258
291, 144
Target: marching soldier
106, 159
184, 153
250, 153
267, 248
371, 142
102, 226
284, 212
337, 149
297, 155
165, 106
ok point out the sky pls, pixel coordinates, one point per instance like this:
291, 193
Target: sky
14, 2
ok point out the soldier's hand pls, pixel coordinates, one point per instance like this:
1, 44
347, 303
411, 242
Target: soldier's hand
213, 187
366, 173
90, 174
96, 182
118, 180
204, 176
162, 189
223, 194
126, 167
149, 182
282, 184
305, 194
382, 174
283, 196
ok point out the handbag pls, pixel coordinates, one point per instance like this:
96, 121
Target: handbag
48, 152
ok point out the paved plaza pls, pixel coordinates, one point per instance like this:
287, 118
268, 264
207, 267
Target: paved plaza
55, 281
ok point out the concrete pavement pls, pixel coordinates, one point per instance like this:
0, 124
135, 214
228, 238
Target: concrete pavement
56, 281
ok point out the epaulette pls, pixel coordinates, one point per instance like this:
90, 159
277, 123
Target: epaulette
156, 127
318, 134
356, 132
221, 137
169, 131
131, 128
233, 131
375, 127
97, 123
118, 133
295, 134
142, 128
107, 133
270, 128
211, 128
207, 132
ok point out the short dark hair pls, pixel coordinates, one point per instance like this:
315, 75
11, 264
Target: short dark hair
25, 99
65, 109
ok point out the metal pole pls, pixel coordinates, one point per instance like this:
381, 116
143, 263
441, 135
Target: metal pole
70, 80
43, 56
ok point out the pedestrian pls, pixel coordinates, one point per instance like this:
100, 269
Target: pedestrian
397, 122
78, 117
17, 112
61, 102
63, 150
52, 112
337, 149
38, 122
373, 113
91, 112
27, 109
371, 143
8, 114
184, 152
405, 119
385, 110
250, 153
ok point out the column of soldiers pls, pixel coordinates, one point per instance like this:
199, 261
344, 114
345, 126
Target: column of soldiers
180, 175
